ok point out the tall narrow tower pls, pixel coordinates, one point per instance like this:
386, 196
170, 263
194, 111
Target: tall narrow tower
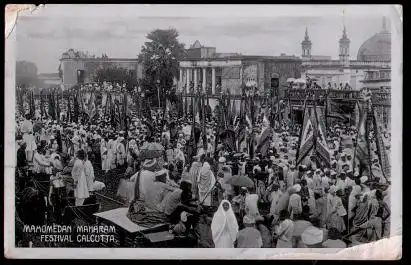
345, 48
306, 46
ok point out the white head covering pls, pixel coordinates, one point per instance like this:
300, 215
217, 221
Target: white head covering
312, 235
183, 216
248, 219
332, 189
355, 190
221, 160
251, 203
297, 187
363, 179
222, 218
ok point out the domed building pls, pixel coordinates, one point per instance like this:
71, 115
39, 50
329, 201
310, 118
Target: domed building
371, 69
377, 48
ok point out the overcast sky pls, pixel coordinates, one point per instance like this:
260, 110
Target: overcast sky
120, 31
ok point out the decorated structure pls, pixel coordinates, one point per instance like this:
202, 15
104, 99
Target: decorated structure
374, 55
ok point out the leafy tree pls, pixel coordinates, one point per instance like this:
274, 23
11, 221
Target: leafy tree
26, 74
159, 56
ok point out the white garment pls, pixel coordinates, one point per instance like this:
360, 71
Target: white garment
111, 154
120, 153
224, 227
205, 182
352, 201
39, 163
105, 165
251, 206
291, 177
285, 229
146, 183
78, 174
340, 185
325, 182
89, 171
274, 199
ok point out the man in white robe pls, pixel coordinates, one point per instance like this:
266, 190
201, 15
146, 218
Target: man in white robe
120, 152
80, 180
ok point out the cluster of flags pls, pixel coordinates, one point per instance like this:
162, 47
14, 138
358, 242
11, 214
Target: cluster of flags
313, 135
368, 119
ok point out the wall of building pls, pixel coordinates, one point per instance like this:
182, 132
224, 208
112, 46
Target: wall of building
71, 66
194, 53
207, 52
285, 70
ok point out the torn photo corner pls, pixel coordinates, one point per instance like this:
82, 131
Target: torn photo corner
238, 132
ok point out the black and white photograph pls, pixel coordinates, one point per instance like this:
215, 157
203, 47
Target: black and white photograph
158, 128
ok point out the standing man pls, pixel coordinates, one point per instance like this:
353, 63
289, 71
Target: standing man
81, 191
27, 131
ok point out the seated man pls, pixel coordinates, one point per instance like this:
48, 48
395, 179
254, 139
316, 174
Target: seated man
178, 201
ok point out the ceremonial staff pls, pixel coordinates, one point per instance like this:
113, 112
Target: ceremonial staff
252, 123
301, 133
203, 127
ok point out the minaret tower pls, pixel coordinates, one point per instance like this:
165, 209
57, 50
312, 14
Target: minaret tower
345, 48
306, 46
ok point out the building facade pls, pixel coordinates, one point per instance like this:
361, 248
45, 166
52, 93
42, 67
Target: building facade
77, 70
215, 72
49, 80
374, 55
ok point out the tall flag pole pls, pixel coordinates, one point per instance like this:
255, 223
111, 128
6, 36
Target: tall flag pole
220, 123
203, 122
252, 125
320, 141
326, 109
382, 155
41, 104
361, 150
306, 139
367, 126
69, 115
58, 106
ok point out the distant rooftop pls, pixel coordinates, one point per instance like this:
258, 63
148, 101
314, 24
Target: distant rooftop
195, 45
244, 57
49, 76
101, 59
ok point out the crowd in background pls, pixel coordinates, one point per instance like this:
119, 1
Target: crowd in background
254, 197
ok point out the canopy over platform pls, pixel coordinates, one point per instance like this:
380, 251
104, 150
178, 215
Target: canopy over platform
119, 217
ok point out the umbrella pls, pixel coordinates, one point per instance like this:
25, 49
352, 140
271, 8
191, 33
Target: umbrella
151, 150
289, 80
241, 181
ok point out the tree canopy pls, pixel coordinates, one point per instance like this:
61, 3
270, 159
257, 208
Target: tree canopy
159, 56
26, 74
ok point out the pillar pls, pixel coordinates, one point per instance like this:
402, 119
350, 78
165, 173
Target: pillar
204, 79
188, 80
213, 80
180, 81
241, 78
195, 79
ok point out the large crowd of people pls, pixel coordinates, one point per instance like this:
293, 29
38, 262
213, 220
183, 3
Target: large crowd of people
245, 198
